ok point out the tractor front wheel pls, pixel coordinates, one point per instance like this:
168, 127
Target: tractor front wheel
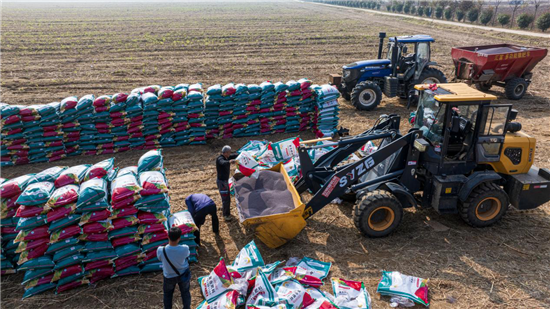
486, 205
378, 213
366, 96
515, 88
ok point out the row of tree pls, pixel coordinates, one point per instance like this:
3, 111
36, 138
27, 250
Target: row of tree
459, 10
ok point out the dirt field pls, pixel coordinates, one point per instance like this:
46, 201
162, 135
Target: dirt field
55, 50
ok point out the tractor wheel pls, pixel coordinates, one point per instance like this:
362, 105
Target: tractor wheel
346, 95
484, 86
366, 96
430, 76
486, 205
378, 213
515, 88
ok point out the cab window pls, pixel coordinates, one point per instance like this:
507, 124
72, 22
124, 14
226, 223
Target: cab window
496, 120
423, 52
430, 118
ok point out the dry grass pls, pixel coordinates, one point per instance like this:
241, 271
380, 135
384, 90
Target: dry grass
52, 51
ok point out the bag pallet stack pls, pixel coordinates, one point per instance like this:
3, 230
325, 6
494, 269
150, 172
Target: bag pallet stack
70, 126
240, 115
180, 110
184, 221
253, 110
327, 110
212, 111
119, 122
166, 129
14, 148
197, 131
266, 107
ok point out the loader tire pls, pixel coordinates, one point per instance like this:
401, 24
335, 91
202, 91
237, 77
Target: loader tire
485, 206
431, 76
378, 213
366, 96
515, 88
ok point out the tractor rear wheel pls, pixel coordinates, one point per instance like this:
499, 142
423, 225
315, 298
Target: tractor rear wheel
378, 213
366, 96
484, 86
515, 88
486, 205
430, 76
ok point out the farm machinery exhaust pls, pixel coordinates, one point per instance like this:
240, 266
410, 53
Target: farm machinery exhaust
463, 156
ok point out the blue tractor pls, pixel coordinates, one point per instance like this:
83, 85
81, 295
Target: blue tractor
363, 82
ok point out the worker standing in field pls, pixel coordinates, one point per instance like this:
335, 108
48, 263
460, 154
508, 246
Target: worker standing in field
200, 206
175, 269
223, 166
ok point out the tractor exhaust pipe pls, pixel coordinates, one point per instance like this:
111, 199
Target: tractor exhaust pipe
381, 35
394, 57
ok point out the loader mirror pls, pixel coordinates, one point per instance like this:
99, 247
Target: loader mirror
455, 124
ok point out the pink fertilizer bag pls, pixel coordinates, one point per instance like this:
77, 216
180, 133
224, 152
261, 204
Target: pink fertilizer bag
183, 220
152, 182
63, 196
217, 283
104, 169
124, 186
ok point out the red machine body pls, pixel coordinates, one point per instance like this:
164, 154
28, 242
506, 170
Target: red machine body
499, 65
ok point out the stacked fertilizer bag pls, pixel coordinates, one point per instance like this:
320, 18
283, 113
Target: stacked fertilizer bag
249, 281
195, 113
14, 148
119, 122
267, 99
180, 111
42, 130
86, 120
327, 110
70, 126
279, 108
134, 111
68, 227
240, 116
253, 110
212, 110
166, 116
153, 209
307, 105
153, 118
184, 221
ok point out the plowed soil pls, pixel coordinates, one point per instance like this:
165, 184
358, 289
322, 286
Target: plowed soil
51, 51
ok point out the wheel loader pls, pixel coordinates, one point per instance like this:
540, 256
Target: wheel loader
463, 155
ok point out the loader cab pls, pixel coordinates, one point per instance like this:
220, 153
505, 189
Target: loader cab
461, 126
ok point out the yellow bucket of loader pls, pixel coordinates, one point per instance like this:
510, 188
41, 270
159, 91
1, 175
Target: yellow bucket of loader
276, 230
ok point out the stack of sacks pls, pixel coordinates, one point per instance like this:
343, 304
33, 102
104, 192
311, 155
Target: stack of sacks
195, 109
179, 108
10, 192
153, 207
279, 108
14, 147
248, 281
42, 130
70, 126
153, 118
86, 120
124, 237
41, 204
212, 111
134, 111
119, 122
327, 110
292, 107
253, 110
240, 115
104, 139
165, 117
227, 105
184, 221
266, 107
307, 105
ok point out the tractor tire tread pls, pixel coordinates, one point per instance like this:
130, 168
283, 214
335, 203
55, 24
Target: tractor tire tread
374, 197
354, 97
510, 87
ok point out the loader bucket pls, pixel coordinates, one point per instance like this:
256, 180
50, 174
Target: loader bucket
276, 230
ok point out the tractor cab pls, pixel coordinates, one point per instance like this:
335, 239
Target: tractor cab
406, 63
412, 53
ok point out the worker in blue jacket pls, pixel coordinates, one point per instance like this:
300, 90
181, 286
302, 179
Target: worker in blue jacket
200, 206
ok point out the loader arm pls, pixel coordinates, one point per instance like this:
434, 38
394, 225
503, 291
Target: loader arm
328, 183
385, 127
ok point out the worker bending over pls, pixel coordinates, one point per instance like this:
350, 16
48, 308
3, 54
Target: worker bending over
200, 206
